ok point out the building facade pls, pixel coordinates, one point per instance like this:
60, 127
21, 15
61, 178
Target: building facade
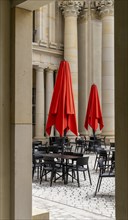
81, 32
16, 100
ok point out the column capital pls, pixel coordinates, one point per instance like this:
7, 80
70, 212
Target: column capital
105, 7
50, 69
40, 67
84, 12
70, 7
89, 11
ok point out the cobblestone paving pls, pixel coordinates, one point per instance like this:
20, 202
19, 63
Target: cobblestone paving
72, 202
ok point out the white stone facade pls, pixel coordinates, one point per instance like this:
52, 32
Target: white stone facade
82, 32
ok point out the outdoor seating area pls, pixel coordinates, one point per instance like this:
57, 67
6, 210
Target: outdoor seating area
72, 177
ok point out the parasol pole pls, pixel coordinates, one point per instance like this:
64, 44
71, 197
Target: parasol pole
94, 135
63, 140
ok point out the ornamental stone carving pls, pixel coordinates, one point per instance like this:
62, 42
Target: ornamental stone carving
104, 7
84, 12
71, 7
89, 10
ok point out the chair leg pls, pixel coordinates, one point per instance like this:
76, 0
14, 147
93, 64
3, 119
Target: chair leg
41, 175
89, 177
95, 162
84, 175
51, 178
97, 186
53, 173
99, 183
78, 181
33, 171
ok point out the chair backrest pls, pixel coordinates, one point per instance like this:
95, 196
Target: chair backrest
106, 168
82, 161
113, 157
112, 145
53, 149
43, 149
49, 161
79, 141
103, 154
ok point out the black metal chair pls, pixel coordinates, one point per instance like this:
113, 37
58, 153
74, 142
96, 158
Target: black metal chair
106, 171
80, 143
100, 153
81, 166
50, 167
37, 158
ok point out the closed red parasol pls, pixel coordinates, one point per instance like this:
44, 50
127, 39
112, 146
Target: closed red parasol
94, 114
62, 108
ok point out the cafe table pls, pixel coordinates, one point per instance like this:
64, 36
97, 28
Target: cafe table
63, 157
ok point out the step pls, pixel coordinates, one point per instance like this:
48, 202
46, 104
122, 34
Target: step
40, 214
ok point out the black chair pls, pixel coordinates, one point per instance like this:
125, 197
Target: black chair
106, 171
100, 153
37, 159
53, 149
81, 166
36, 164
112, 145
50, 167
79, 145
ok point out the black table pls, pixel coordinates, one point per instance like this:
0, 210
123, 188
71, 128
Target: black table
65, 157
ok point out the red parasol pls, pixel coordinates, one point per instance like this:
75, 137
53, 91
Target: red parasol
94, 115
62, 108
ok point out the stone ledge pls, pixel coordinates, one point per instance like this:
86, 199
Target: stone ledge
39, 214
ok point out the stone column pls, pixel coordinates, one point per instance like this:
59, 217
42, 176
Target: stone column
121, 107
21, 115
71, 10
107, 14
49, 92
5, 97
39, 128
89, 58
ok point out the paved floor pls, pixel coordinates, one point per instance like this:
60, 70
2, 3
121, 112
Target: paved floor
69, 202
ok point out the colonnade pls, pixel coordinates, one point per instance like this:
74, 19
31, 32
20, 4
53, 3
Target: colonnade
89, 48
44, 90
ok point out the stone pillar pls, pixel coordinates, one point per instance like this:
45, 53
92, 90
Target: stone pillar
21, 115
5, 146
49, 92
52, 18
38, 25
44, 25
89, 58
121, 107
107, 14
39, 128
71, 10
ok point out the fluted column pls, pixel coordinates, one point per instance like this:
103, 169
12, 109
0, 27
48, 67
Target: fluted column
49, 92
107, 14
39, 129
71, 10
89, 57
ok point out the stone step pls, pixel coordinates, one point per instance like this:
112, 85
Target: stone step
40, 214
